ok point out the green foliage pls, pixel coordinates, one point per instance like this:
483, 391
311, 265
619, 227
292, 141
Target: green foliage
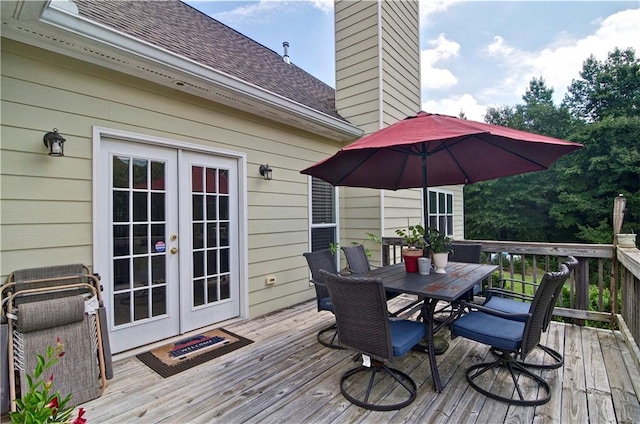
438, 242
413, 236
333, 247
610, 88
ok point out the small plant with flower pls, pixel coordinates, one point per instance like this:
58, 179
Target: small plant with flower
41, 405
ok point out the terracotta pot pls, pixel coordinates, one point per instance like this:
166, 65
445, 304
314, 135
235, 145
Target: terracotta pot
440, 261
410, 257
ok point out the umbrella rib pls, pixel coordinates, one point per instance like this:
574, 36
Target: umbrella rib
353, 169
514, 153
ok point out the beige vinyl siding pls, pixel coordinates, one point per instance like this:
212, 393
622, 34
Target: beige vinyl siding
47, 202
396, 76
356, 41
401, 98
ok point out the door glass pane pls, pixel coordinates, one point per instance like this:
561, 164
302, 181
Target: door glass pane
120, 172
157, 175
224, 181
224, 207
140, 178
139, 249
120, 206
211, 181
159, 305
141, 304
140, 239
140, 207
120, 240
212, 212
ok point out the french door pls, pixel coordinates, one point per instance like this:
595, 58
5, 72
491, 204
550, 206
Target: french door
171, 226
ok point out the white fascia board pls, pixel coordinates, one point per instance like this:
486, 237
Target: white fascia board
117, 40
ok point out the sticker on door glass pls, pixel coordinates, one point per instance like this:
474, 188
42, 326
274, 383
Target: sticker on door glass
160, 246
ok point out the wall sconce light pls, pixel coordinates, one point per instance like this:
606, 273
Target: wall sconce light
266, 172
54, 142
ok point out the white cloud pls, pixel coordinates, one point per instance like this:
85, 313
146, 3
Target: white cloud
269, 9
324, 5
430, 7
561, 61
252, 12
434, 77
454, 105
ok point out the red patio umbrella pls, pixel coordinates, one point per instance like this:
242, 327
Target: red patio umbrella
429, 150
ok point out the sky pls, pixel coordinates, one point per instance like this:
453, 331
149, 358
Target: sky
474, 54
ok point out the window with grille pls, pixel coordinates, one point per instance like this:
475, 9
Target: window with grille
441, 211
324, 221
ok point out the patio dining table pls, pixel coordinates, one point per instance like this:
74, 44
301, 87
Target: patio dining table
458, 280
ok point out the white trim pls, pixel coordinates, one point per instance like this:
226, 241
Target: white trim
243, 244
380, 73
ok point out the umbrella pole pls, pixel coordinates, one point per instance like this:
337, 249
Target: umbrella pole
425, 188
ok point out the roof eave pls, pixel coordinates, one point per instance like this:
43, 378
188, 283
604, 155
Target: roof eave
142, 59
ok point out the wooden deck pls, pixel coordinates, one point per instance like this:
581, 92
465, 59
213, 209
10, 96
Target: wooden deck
287, 377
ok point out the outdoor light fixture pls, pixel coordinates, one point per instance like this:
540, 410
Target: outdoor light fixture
54, 142
266, 172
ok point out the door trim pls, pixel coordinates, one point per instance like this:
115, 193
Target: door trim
100, 215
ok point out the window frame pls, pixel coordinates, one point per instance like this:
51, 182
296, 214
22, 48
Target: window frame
336, 216
438, 215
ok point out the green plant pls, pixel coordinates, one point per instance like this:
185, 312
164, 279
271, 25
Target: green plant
38, 405
413, 236
333, 247
438, 242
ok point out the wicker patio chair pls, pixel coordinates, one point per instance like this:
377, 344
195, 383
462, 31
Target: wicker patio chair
512, 340
519, 303
317, 261
358, 263
36, 324
364, 326
468, 253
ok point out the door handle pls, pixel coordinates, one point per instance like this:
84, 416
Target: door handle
174, 250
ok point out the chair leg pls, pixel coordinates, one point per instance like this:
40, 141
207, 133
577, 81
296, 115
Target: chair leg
517, 372
332, 343
556, 357
363, 401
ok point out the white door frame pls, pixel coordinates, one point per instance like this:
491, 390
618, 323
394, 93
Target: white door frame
100, 238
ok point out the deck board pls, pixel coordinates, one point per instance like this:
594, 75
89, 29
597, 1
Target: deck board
285, 376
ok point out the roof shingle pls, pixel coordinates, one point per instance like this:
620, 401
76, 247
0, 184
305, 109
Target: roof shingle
179, 28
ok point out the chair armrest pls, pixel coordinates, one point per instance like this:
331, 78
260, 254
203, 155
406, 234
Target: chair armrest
506, 293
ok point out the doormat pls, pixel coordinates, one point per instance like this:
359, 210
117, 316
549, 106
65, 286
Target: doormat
173, 358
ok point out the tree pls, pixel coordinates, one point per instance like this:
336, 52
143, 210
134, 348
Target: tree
590, 178
517, 207
609, 88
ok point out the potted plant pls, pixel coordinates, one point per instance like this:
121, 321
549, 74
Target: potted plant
413, 238
440, 246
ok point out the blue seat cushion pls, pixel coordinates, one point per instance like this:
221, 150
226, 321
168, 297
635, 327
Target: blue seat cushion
491, 330
509, 306
405, 334
325, 304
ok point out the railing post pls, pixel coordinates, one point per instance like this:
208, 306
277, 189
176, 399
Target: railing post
582, 287
619, 204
